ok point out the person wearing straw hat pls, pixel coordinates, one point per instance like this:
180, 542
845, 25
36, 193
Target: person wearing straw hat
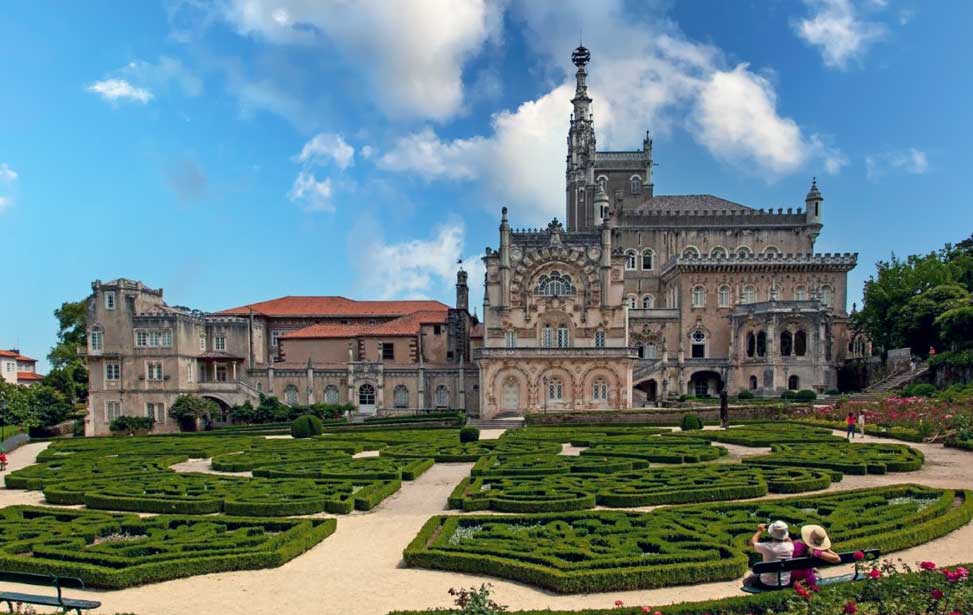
779, 547
814, 542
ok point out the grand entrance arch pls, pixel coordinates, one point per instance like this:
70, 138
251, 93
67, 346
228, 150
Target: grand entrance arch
646, 393
705, 383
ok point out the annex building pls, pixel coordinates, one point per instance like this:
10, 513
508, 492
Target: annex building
637, 297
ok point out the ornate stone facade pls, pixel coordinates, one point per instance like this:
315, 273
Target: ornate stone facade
677, 285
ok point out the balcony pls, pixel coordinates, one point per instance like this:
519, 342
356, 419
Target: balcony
653, 314
563, 353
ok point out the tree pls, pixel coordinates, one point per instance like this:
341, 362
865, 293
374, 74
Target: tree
68, 372
956, 326
33, 406
188, 409
916, 325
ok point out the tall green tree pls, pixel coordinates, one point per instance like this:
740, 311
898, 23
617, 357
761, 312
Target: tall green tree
68, 374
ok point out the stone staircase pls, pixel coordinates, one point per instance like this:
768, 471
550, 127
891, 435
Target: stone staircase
890, 383
498, 422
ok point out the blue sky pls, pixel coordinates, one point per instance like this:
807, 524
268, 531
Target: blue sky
235, 151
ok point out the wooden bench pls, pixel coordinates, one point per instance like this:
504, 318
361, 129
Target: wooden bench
49, 580
803, 563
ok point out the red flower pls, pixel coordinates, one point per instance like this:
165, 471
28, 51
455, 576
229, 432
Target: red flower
962, 572
851, 608
859, 556
875, 573
927, 565
936, 594
619, 603
646, 609
801, 591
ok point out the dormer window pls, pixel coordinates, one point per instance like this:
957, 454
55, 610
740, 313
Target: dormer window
109, 300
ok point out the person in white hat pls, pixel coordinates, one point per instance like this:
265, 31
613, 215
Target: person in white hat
779, 547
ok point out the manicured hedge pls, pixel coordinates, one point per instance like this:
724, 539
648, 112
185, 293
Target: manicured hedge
766, 434
470, 451
114, 551
847, 458
368, 468
646, 487
197, 494
598, 551
663, 453
583, 436
894, 433
538, 465
83, 466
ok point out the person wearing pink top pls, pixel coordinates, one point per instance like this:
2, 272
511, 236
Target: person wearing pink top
814, 542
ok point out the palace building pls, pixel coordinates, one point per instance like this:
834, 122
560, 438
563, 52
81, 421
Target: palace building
637, 298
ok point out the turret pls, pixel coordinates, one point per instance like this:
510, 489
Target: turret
462, 291
600, 205
813, 202
504, 259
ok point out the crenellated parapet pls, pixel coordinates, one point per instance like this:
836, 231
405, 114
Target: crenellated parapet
722, 218
831, 262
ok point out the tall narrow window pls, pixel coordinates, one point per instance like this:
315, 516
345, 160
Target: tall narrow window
751, 344
388, 351
648, 302
648, 260
699, 297
155, 338
442, 396
599, 390
698, 345
221, 372
366, 395
633, 301
635, 184
290, 395
793, 383
400, 396
749, 295
154, 370
650, 351
219, 343
167, 338
827, 296
97, 338
113, 370
109, 300
800, 343
786, 343
562, 337
800, 294
113, 410
555, 389
548, 337
202, 342
331, 394
599, 339
723, 296
510, 339
753, 383
762, 344
630, 260
191, 371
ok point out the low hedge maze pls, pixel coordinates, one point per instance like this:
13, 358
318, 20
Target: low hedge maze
766, 434
597, 551
666, 452
114, 551
847, 458
470, 451
500, 491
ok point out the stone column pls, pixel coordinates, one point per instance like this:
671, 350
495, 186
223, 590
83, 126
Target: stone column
270, 378
310, 383
461, 402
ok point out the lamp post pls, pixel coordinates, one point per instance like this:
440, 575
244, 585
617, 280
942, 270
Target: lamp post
544, 393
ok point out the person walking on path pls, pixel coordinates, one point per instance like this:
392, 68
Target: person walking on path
3, 460
861, 422
851, 422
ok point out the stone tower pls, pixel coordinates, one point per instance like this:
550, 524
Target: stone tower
581, 149
812, 203
462, 291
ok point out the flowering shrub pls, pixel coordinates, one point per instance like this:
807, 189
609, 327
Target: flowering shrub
931, 418
892, 589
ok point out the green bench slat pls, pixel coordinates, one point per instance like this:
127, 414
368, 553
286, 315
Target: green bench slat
48, 600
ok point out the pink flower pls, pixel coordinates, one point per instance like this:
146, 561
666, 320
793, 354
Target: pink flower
875, 573
962, 572
801, 591
858, 555
619, 603
936, 594
851, 608
927, 565
646, 609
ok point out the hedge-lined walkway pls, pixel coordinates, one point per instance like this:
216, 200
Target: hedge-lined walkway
357, 570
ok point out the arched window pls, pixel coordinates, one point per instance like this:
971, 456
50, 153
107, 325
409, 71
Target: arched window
718, 252
555, 389
603, 211
630, 260
563, 339
786, 342
648, 259
260, 385
442, 396
633, 301
744, 251
690, 252
723, 297
547, 336
554, 285
699, 296
771, 250
753, 383
800, 343
749, 294
599, 389
793, 383
827, 295
698, 345
751, 344
581, 196
331, 394
366, 395
603, 182
635, 184
800, 293
400, 396
648, 302
290, 395
762, 344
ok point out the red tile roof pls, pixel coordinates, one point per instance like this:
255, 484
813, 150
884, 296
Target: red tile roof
14, 354
405, 325
31, 376
333, 306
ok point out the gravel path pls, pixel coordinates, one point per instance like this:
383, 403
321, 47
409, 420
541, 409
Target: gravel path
358, 570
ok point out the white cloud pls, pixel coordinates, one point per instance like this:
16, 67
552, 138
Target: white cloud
425, 155
311, 194
411, 53
836, 27
418, 268
7, 175
367, 151
324, 147
910, 160
114, 90
5, 203
162, 74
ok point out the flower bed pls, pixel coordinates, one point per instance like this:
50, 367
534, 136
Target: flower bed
910, 418
598, 551
646, 487
113, 551
847, 458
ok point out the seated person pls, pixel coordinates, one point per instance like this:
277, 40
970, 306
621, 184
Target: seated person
779, 547
814, 542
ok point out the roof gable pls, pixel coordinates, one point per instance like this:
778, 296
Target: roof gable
333, 306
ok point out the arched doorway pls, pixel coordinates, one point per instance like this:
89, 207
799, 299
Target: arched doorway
366, 399
705, 384
222, 417
510, 395
646, 393
793, 383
